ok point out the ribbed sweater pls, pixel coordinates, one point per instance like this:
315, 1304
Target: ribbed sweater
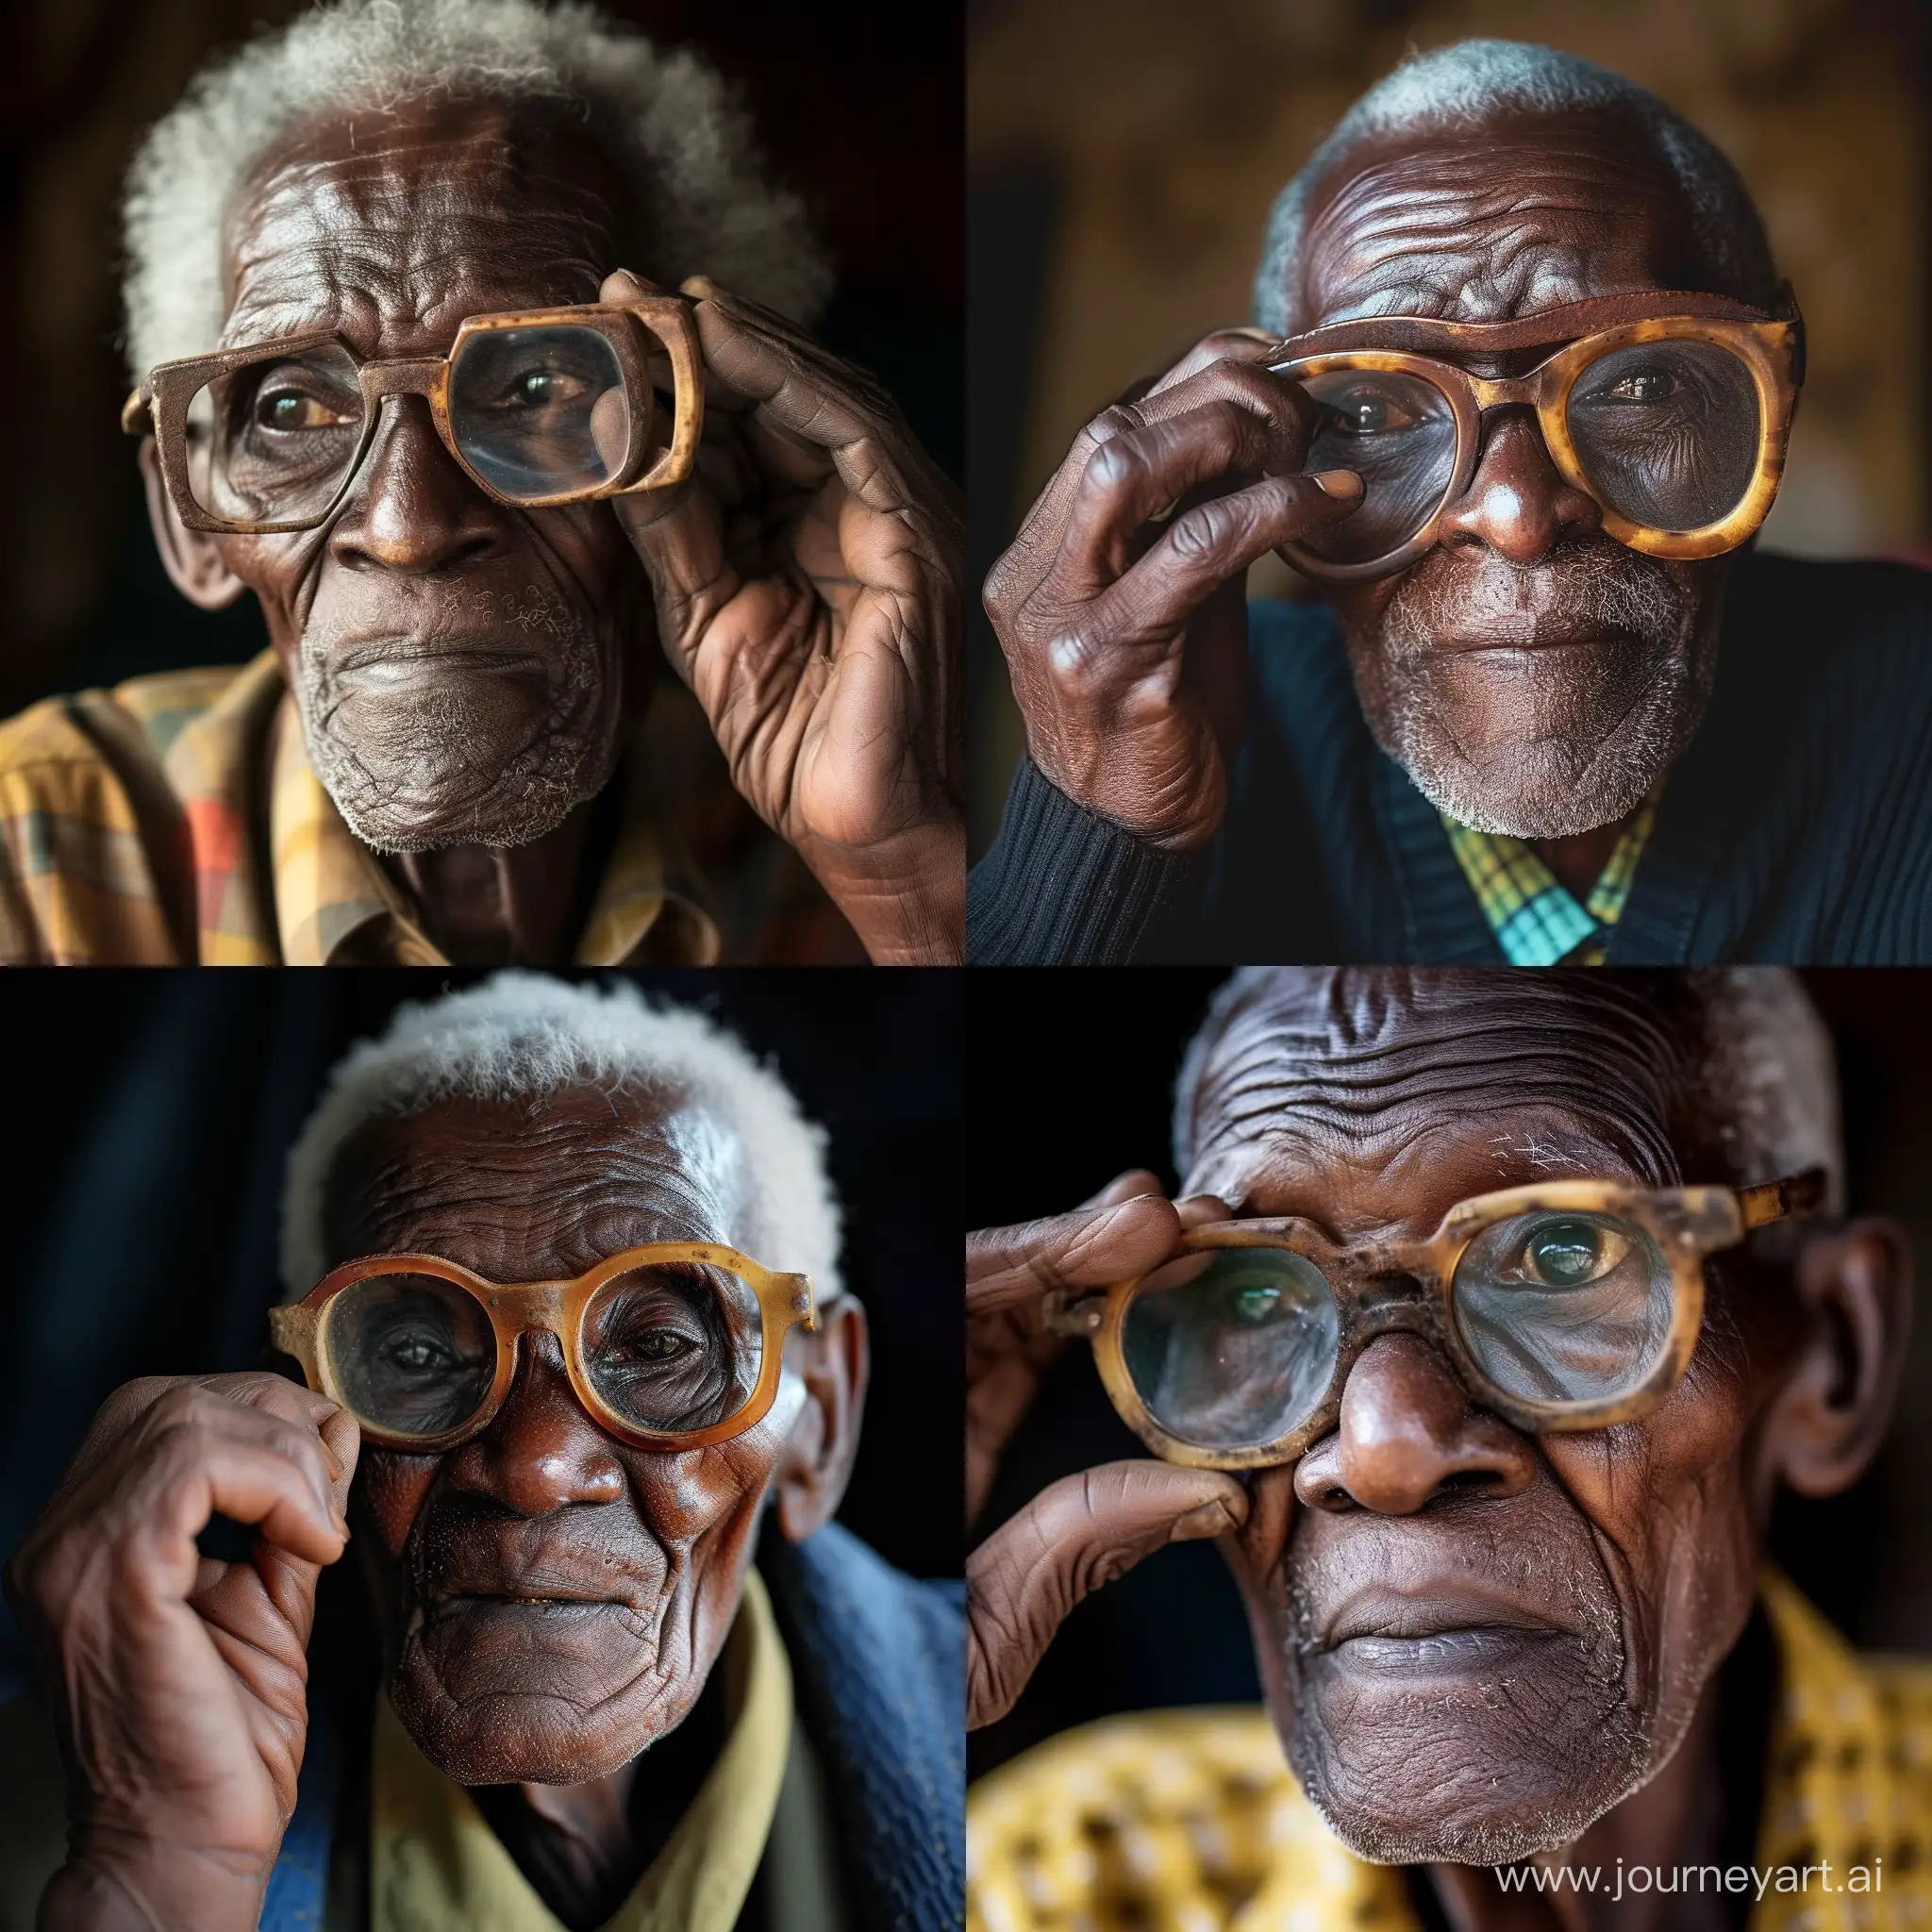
1796, 830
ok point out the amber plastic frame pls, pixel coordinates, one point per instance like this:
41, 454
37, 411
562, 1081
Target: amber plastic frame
162, 402
785, 1301
1382, 1287
1771, 347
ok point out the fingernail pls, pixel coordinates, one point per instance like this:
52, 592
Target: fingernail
342, 1524
1343, 485
1208, 1519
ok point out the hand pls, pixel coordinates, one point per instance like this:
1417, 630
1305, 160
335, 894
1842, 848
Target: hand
1126, 643
179, 1682
1084, 1530
809, 580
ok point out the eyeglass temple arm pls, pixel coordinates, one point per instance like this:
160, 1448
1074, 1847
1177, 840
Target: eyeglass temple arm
1796, 1195
134, 412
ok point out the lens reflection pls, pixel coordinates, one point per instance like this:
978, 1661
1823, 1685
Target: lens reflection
1667, 432
274, 440
1397, 432
539, 411
1561, 1307
1231, 1348
673, 1348
411, 1353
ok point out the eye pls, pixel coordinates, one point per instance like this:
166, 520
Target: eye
416, 1354
1643, 385
653, 1345
1572, 1252
543, 388
1368, 412
289, 409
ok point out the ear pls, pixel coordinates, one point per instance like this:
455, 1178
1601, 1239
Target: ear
1824, 1424
191, 558
810, 1480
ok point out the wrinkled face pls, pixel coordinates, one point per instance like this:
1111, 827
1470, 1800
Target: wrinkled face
1532, 674
460, 667
552, 1599
1475, 1641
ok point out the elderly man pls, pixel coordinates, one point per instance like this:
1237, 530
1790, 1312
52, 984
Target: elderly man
1495, 1312
1519, 395
575, 1348
396, 311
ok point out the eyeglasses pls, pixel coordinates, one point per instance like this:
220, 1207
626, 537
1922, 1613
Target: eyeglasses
676, 1345
1567, 1306
1672, 412
549, 406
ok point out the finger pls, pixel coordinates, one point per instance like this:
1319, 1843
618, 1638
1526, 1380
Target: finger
1081, 1533
1257, 346
626, 285
189, 1482
1137, 1180
1214, 542
1283, 405
264, 1411
1089, 1248
1200, 1211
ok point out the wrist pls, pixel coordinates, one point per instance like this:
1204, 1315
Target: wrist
149, 1887
906, 896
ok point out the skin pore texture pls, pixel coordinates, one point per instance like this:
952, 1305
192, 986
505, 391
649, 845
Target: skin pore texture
1478, 1644
585, 1708
1532, 674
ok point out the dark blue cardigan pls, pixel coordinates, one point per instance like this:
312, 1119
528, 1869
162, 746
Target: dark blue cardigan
1796, 830
879, 1665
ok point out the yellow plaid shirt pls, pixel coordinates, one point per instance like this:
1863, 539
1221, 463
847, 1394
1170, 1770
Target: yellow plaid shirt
1537, 920
176, 820
1191, 1818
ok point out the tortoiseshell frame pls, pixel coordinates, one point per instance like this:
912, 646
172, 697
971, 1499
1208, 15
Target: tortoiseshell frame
1405, 1285
784, 1301
1771, 347
164, 397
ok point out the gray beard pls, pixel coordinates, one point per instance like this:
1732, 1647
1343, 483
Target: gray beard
1592, 765
438, 748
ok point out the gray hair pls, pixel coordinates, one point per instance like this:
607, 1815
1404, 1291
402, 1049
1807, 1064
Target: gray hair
666, 119
518, 1037
1758, 1061
1471, 82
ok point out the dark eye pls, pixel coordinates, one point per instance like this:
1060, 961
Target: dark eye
289, 409
1370, 412
653, 1345
416, 1354
1643, 385
541, 389
1570, 1253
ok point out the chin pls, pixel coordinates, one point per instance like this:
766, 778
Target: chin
527, 1738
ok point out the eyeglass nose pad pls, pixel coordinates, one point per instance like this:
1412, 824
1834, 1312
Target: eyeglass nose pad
1387, 1302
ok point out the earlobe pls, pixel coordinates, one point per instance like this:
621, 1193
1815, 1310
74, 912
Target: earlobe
817, 1462
1827, 1421
191, 558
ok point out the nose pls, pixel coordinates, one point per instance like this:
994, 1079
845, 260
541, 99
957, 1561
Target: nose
412, 510
542, 1451
1409, 1434
1517, 504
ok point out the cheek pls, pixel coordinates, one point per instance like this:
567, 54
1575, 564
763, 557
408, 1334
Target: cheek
390, 1489
709, 1498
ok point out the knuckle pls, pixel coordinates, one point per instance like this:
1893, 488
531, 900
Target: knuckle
1114, 468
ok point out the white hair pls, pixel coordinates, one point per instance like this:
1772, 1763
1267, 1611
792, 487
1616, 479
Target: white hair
1471, 82
520, 1036
666, 119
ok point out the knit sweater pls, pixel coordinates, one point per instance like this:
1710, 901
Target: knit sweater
1796, 829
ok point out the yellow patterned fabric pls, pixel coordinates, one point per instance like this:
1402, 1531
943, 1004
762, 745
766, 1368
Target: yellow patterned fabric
1536, 918
436, 1866
176, 820
1191, 1821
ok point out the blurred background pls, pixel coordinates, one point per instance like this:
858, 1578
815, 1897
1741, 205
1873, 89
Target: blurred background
857, 102
1047, 1131
142, 1209
1123, 155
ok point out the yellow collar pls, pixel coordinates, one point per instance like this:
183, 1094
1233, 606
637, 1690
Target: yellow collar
436, 1866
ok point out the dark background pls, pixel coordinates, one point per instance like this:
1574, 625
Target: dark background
1072, 1079
152, 1112
859, 103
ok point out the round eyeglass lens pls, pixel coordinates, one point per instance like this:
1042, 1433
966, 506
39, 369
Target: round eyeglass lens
673, 1348
541, 411
1666, 433
1397, 433
411, 1354
274, 440
1231, 1348
1561, 1307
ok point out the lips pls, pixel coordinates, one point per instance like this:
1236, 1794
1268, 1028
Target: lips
1450, 1628
402, 660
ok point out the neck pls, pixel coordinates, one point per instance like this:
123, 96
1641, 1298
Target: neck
1578, 860
583, 1847
502, 905
1700, 1810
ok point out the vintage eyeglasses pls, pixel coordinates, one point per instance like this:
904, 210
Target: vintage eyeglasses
1672, 412
1567, 1306
549, 406
676, 1345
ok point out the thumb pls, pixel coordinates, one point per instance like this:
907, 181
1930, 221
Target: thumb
1074, 1537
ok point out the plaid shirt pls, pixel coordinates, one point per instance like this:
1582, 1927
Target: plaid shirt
1536, 918
176, 820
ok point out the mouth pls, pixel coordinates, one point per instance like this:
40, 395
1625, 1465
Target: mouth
1544, 638
548, 1603
1447, 1632
379, 663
